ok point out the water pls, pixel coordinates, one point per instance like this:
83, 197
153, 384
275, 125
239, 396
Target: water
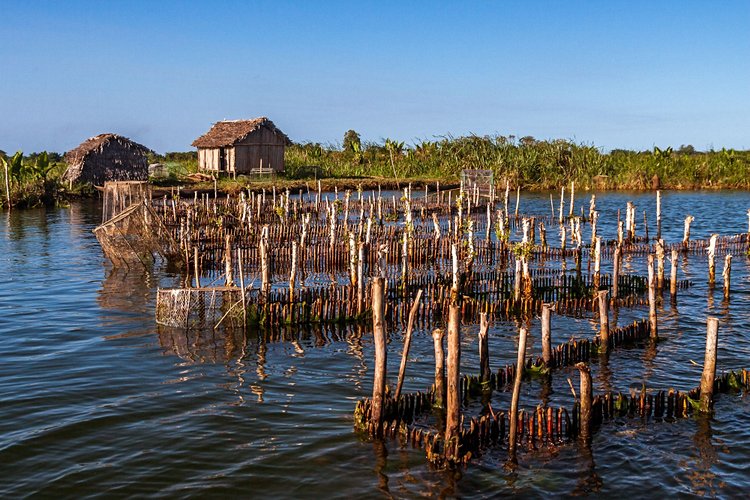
96, 400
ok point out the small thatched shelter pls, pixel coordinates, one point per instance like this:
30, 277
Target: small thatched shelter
107, 157
242, 147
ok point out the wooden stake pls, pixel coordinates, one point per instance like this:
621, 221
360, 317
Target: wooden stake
546, 334
652, 298
658, 215
603, 320
407, 343
673, 276
228, 274
484, 353
616, 272
709, 365
686, 234
437, 338
381, 353
453, 413
726, 275
712, 260
513, 428
586, 397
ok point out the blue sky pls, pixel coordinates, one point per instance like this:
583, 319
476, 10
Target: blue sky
613, 74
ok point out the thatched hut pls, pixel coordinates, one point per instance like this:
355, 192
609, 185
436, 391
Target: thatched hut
107, 157
242, 147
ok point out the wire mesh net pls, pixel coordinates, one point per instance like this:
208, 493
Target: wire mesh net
199, 307
136, 236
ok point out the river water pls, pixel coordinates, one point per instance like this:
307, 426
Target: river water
96, 400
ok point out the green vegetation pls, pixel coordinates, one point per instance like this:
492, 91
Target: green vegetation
527, 162
31, 181
34, 180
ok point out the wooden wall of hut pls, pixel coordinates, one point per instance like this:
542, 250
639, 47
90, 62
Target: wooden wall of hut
263, 149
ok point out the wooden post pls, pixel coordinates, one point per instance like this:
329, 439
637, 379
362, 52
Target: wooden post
572, 197
360, 278
660, 264
407, 343
453, 400
712, 260
673, 276
597, 261
604, 320
453, 413
726, 275
518, 199
652, 298
513, 428
586, 397
228, 274
546, 334
381, 353
352, 259
196, 267
658, 215
709, 365
616, 272
437, 338
293, 272
484, 353
686, 234
265, 265
517, 282
562, 205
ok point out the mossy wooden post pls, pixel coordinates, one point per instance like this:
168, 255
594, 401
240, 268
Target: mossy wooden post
586, 399
546, 334
712, 260
228, 274
616, 272
517, 281
407, 343
603, 320
727, 274
686, 233
453, 413
673, 276
709, 365
513, 427
381, 353
437, 338
484, 353
652, 298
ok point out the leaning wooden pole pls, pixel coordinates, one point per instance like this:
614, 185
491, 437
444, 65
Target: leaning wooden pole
381, 353
407, 343
709, 365
513, 427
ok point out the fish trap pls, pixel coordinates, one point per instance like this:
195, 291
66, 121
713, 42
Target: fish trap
199, 307
136, 236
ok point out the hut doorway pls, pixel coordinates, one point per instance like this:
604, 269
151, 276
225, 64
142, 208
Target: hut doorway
222, 159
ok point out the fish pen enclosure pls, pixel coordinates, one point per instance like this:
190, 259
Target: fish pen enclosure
117, 196
443, 263
136, 236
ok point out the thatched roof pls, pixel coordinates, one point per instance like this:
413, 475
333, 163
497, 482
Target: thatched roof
97, 143
229, 132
